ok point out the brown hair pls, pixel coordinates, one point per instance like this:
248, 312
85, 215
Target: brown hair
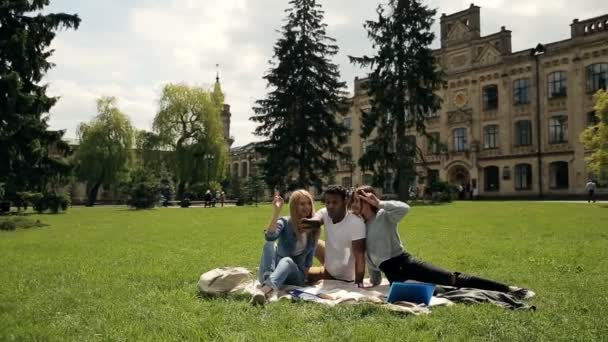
366, 189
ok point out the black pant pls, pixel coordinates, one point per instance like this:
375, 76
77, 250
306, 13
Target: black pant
591, 196
407, 267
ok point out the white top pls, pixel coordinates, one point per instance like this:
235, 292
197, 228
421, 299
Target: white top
339, 258
301, 244
590, 186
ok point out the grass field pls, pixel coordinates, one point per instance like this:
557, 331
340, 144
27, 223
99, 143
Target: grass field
115, 274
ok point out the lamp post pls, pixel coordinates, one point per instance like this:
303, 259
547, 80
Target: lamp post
208, 157
538, 52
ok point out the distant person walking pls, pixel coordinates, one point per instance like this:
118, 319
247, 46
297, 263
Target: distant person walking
590, 188
208, 198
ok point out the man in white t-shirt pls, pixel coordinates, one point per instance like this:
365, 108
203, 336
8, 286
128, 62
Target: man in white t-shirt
343, 252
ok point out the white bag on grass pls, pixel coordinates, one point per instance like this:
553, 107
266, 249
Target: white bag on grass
222, 280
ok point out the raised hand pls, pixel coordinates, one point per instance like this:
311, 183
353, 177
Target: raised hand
277, 202
370, 198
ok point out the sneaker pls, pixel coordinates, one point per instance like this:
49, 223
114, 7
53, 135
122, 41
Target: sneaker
521, 293
258, 298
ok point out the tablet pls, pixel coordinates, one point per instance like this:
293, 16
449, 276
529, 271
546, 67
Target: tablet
419, 293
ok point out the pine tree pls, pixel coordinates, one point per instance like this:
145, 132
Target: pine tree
26, 32
401, 88
297, 117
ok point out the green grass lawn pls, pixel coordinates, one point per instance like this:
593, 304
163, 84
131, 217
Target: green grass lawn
117, 274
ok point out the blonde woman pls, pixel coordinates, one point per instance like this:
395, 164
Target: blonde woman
290, 246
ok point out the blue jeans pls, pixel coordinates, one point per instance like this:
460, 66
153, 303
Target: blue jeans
276, 273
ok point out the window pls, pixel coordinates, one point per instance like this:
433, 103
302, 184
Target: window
346, 160
592, 119
521, 91
490, 97
244, 170
558, 129
347, 122
523, 133
597, 77
558, 175
491, 178
347, 182
432, 143
235, 169
523, 177
490, 137
460, 139
557, 82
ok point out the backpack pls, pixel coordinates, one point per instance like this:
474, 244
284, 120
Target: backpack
222, 280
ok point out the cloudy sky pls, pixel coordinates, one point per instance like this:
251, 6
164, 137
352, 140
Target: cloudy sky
131, 48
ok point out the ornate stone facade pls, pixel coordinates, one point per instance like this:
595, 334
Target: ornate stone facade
511, 121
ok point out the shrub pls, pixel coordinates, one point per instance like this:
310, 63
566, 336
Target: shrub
185, 203
143, 189
443, 191
14, 222
56, 202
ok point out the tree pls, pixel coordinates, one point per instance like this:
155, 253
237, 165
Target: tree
595, 137
255, 188
189, 124
105, 153
235, 189
149, 153
297, 117
26, 33
143, 189
402, 87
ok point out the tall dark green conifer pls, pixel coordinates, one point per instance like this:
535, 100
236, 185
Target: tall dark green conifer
297, 117
402, 87
25, 37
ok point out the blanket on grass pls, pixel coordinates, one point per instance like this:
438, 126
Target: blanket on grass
238, 280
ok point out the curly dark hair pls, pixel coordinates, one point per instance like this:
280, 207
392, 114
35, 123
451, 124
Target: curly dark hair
337, 190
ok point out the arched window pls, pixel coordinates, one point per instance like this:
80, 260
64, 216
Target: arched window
490, 137
558, 84
597, 77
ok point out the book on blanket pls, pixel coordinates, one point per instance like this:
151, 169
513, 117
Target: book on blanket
418, 293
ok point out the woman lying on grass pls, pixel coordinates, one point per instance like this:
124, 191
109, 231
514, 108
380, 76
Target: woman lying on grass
287, 261
385, 250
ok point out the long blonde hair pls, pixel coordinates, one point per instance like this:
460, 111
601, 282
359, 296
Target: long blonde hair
294, 200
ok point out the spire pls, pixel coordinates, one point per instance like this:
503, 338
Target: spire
218, 94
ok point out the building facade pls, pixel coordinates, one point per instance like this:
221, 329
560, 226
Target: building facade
510, 121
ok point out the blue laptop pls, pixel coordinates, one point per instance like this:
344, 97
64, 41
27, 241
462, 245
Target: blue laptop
419, 293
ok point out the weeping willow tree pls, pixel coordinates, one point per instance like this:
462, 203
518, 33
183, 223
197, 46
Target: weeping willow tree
105, 153
189, 124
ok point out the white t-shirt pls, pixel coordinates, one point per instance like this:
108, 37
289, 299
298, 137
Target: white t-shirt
339, 258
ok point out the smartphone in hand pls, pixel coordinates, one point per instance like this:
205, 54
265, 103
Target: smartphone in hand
311, 224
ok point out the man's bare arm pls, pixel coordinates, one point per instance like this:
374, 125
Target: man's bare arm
359, 253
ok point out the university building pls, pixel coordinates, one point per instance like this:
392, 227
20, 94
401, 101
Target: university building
511, 121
